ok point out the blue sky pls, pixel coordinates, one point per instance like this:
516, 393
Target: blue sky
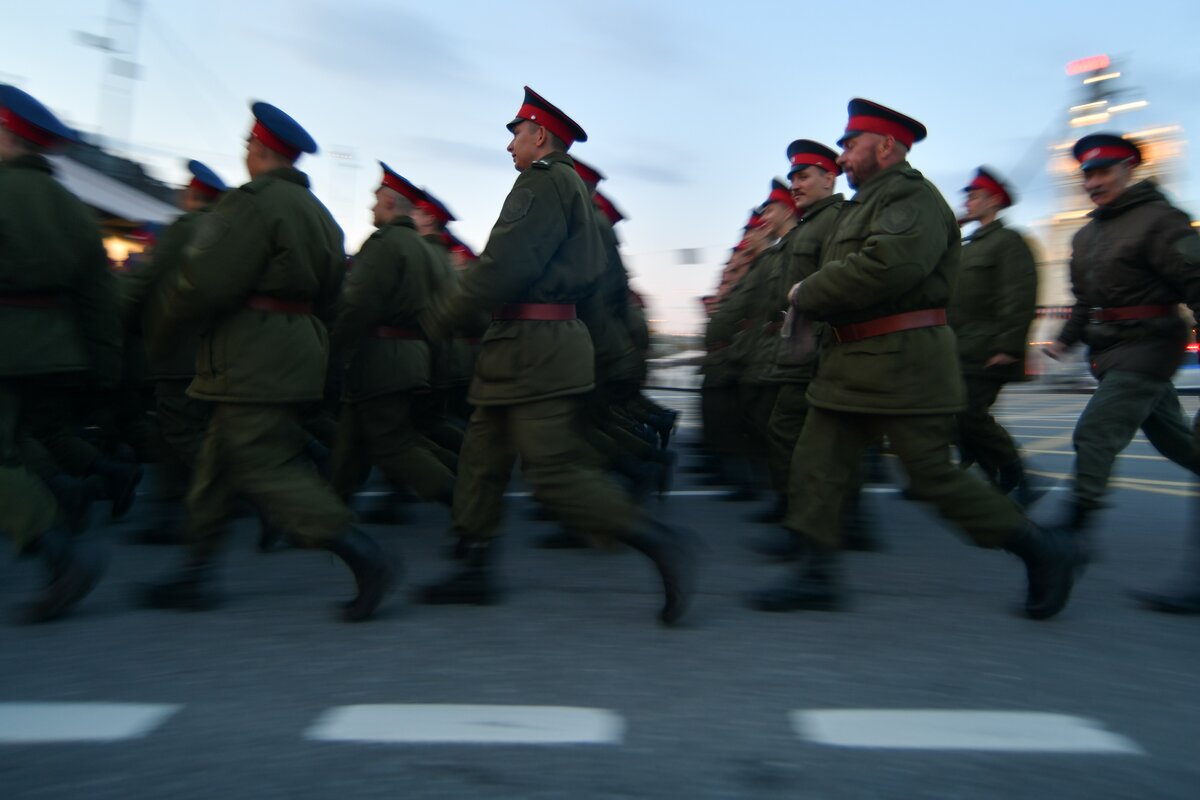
689, 106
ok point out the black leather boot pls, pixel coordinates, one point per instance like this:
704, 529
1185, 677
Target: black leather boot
373, 571
814, 586
674, 555
1077, 525
120, 482
561, 539
1020, 487
75, 497
270, 535
1050, 565
190, 590
473, 584
73, 572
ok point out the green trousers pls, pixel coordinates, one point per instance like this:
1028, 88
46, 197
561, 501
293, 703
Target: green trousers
828, 458
1123, 403
783, 431
546, 436
27, 509
979, 435
257, 452
380, 431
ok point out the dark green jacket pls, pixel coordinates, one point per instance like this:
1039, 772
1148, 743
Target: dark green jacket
994, 302
605, 311
739, 306
545, 248
391, 282
139, 288
51, 255
452, 358
803, 258
1141, 250
270, 238
895, 249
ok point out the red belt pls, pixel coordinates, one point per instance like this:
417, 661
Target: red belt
715, 346
909, 320
773, 327
395, 332
1122, 313
473, 340
29, 300
536, 312
276, 305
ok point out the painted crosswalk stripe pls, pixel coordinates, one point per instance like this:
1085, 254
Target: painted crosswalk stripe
998, 731
468, 724
45, 723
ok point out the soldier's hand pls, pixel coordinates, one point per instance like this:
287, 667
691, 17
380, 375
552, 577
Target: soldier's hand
999, 360
792, 295
1055, 350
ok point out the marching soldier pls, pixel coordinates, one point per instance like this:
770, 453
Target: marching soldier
58, 321
883, 286
385, 358
993, 305
542, 258
182, 420
765, 296
263, 270
1132, 264
813, 174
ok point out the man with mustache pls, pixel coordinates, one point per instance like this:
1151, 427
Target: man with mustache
892, 370
1132, 265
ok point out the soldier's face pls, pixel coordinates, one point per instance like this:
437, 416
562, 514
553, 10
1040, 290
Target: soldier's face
979, 204
777, 216
525, 144
383, 205
810, 184
424, 221
860, 158
1105, 184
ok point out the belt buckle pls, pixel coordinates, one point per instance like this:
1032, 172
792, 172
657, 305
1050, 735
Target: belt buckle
1092, 312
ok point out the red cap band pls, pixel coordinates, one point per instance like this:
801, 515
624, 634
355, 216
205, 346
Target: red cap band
884, 127
406, 190
432, 210
1110, 151
990, 186
781, 196
25, 130
203, 188
807, 159
264, 135
547, 121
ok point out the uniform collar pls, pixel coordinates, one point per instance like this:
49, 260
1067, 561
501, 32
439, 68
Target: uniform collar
984, 230
289, 174
824, 202
885, 175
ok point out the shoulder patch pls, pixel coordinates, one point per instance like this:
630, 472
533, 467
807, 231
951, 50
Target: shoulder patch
517, 205
541, 164
898, 218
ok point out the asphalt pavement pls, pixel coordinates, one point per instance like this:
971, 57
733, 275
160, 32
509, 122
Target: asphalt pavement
929, 686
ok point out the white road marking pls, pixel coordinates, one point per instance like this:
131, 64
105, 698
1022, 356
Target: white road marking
455, 724
922, 729
44, 723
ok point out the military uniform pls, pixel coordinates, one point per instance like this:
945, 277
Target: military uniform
993, 305
885, 278
58, 320
264, 271
537, 362
386, 361
1131, 266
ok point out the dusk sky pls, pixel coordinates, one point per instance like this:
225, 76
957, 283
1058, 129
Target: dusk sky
689, 106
